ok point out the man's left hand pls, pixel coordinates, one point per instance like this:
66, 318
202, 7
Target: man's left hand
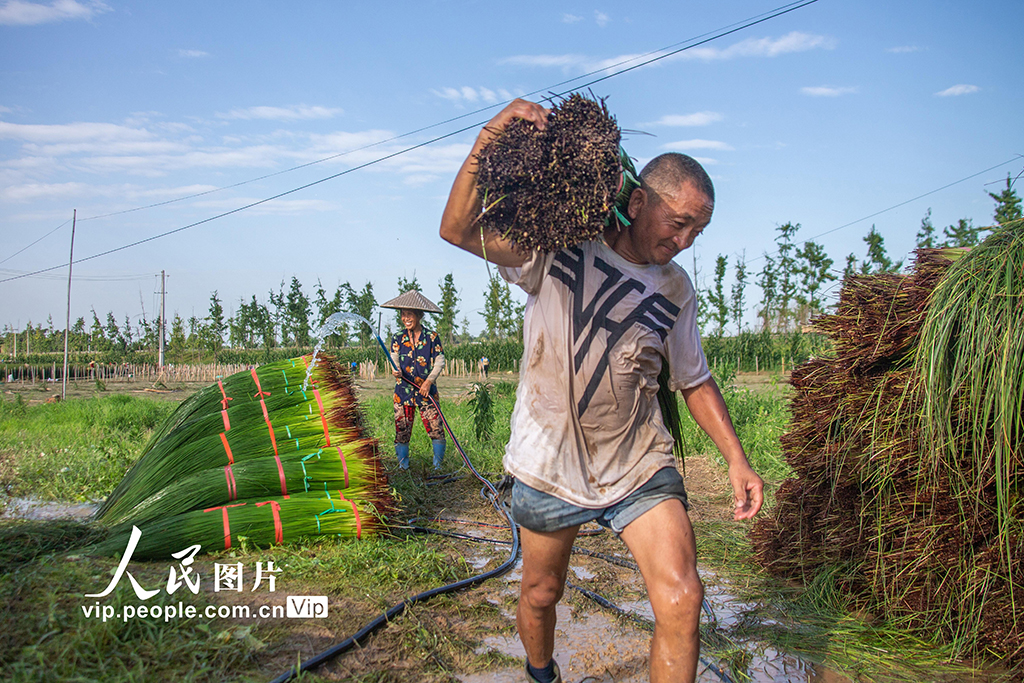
748, 490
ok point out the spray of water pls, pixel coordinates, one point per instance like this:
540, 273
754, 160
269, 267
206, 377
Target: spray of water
334, 323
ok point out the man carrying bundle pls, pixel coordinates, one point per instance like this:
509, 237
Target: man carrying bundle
588, 441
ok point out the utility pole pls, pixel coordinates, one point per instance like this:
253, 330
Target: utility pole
67, 322
163, 318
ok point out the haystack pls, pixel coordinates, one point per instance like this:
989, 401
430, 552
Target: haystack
262, 454
906, 450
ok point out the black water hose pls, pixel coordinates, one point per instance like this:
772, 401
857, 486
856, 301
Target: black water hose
396, 610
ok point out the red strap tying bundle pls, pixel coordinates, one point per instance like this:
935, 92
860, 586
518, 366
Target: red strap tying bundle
355, 511
323, 416
227, 448
344, 465
227, 422
275, 507
232, 486
223, 401
227, 527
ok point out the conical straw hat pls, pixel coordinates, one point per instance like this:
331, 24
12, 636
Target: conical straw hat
412, 300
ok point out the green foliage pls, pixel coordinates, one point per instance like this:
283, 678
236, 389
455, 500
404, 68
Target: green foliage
926, 235
739, 292
449, 305
815, 269
878, 260
295, 325
503, 316
77, 450
716, 297
1008, 205
483, 413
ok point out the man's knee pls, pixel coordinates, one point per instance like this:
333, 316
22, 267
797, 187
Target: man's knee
678, 598
543, 592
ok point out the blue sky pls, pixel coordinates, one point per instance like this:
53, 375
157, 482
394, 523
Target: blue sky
821, 117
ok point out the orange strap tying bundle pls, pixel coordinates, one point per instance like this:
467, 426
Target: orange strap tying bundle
355, 511
227, 448
227, 527
224, 406
275, 508
323, 416
232, 486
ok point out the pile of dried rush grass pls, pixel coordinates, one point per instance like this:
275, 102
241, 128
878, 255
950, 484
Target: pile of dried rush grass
256, 456
555, 188
908, 450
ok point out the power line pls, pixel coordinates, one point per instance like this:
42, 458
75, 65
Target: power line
717, 33
891, 208
660, 54
37, 241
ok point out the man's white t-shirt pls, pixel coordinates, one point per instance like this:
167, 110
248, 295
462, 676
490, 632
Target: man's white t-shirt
587, 427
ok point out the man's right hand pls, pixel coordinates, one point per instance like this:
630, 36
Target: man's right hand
458, 223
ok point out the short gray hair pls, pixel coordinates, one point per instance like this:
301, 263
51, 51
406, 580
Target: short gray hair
666, 172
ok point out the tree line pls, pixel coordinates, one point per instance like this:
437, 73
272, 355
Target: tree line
793, 281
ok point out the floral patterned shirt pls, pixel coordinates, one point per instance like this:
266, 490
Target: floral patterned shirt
416, 361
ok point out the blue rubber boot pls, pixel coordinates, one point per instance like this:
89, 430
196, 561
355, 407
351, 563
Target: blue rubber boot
402, 452
438, 452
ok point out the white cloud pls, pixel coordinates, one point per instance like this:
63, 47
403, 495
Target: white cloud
763, 47
700, 118
20, 13
959, 89
827, 90
467, 94
5, 110
687, 145
293, 113
753, 47
193, 54
71, 132
570, 18
902, 49
601, 18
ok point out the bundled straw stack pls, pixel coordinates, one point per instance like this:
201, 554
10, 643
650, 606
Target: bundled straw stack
558, 187
907, 450
257, 456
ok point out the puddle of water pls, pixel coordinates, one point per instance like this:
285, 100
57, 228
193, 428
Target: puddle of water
582, 573
32, 508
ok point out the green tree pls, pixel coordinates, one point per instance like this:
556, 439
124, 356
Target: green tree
449, 305
926, 235
878, 260
786, 274
739, 292
963, 234
97, 338
277, 313
363, 304
503, 317
215, 326
815, 269
1008, 205
768, 283
112, 330
296, 317
176, 344
850, 269
717, 300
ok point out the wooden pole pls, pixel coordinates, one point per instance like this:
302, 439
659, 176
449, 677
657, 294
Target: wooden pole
163, 320
67, 322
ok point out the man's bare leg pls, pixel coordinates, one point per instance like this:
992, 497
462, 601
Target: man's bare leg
545, 564
661, 540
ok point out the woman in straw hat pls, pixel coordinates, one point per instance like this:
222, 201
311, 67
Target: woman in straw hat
418, 354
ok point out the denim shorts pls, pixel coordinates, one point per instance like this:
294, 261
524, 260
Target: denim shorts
543, 512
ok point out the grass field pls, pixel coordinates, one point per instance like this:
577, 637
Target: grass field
77, 451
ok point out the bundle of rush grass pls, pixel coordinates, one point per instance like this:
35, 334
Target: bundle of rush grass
907, 450
256, 436
558, 187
